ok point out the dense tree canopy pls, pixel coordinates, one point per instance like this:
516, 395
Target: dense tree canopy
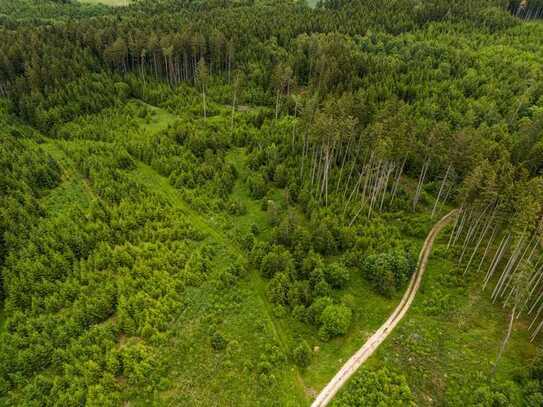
158, 159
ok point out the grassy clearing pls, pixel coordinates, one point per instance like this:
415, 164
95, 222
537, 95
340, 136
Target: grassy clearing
370, 309
452, 330
243, 316
73, 192
160, 119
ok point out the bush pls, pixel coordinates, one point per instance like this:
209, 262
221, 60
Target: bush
381, 388
336, 275
257, 186
335, 320
388, 272
315, 310
322, 289
218, 342
236, 207
278, 289
311, 262
299, 293
302, 354
275, 262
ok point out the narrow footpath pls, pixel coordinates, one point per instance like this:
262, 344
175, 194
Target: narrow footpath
371, 345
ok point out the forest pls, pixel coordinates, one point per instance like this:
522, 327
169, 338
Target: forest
214, 202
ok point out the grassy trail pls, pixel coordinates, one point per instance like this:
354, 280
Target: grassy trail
160, 185
354, 363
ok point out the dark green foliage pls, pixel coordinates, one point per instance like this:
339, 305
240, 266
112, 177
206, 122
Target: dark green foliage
276, 261
218, 342
278, 288
317, 308
335, 321
476, 389
302, 354
127, 233
388, 272
376, 388
337, 275
257, 186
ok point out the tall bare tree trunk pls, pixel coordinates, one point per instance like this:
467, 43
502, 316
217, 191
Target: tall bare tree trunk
496, 260
506, 339
441, 190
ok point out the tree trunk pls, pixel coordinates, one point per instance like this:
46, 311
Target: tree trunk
496, 260
422, 177
506, 271
441, 190
385, 187
485, 230
397, 181
505, 340
490, 241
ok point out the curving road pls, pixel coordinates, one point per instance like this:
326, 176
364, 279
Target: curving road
352, 365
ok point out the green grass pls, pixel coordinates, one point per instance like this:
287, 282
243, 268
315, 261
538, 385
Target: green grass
249, 309
73, 191
369, 312
159, 120
435, 348
370, 309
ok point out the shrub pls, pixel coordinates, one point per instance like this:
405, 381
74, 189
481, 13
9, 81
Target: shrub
315, 310
218, 342
380, 388
335, 320
299, 293
278, 289
275, 262
257, 186
321, 289
337, 275
389, 271
311, 262
302, 354
236, 207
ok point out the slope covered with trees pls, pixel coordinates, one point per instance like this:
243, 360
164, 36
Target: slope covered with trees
213, 203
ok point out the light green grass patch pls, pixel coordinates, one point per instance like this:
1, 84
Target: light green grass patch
73, 191
239, 312
436, 347
370, 311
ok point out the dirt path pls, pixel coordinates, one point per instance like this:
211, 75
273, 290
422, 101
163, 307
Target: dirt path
371, 345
